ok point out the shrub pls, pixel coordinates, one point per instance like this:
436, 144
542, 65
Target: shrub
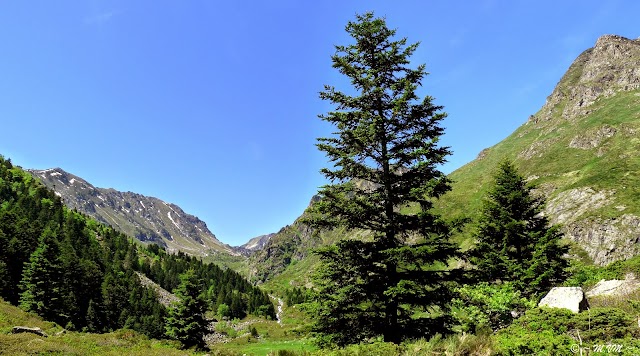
554, 331
488, 305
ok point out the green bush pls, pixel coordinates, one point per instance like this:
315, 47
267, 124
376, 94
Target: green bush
586, 275
554, 331
605, 324
227, 329
488, 305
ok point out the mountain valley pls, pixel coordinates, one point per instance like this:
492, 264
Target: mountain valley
581, 152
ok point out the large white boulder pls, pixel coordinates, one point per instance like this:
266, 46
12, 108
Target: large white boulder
615, 287
571, 298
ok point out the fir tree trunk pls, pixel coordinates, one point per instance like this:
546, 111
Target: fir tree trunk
391, 309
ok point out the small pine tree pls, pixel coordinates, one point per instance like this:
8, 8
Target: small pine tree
94, 318
185, 321
41, 280
514, 240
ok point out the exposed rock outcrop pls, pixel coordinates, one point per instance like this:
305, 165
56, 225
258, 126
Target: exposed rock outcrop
26, 329
164, 297
570, 205
255, 244
611, 66
615, 287
607, 240
593, 138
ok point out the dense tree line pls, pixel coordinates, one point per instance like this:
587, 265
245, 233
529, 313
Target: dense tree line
79, 273
221, 286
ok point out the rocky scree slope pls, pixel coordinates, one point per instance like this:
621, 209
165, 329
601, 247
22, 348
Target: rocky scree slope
146, 218
582, 150
255, 244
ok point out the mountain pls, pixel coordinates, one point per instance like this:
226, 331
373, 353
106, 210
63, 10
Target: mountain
290, 250
256, 243
147, 218
581, 149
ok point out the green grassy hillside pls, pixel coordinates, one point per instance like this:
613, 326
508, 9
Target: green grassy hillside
557, 167
582, 151
59, 342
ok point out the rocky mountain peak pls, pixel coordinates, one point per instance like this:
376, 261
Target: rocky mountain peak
146, 218
611, 66
255, 244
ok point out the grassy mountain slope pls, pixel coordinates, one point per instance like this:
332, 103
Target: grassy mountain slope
581, 150
72, 343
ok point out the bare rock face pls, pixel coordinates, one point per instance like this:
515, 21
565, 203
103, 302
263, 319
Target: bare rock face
607, 240
570, 205
255, 244
571, 298
611, 66
592, 139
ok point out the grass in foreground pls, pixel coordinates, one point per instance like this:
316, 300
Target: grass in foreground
121, 342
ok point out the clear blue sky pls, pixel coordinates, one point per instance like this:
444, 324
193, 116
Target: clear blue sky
213, 105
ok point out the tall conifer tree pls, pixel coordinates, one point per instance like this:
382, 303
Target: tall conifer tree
385, 157
514, 240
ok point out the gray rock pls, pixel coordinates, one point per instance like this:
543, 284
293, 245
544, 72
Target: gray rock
26, 329
615, 287
592, 138
571, 298
607, 240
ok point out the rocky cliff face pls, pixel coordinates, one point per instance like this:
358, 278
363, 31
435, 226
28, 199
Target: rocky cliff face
255, 244
146, 218
608, 68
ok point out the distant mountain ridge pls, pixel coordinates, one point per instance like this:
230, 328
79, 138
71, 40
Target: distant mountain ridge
256, 243
145, 218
